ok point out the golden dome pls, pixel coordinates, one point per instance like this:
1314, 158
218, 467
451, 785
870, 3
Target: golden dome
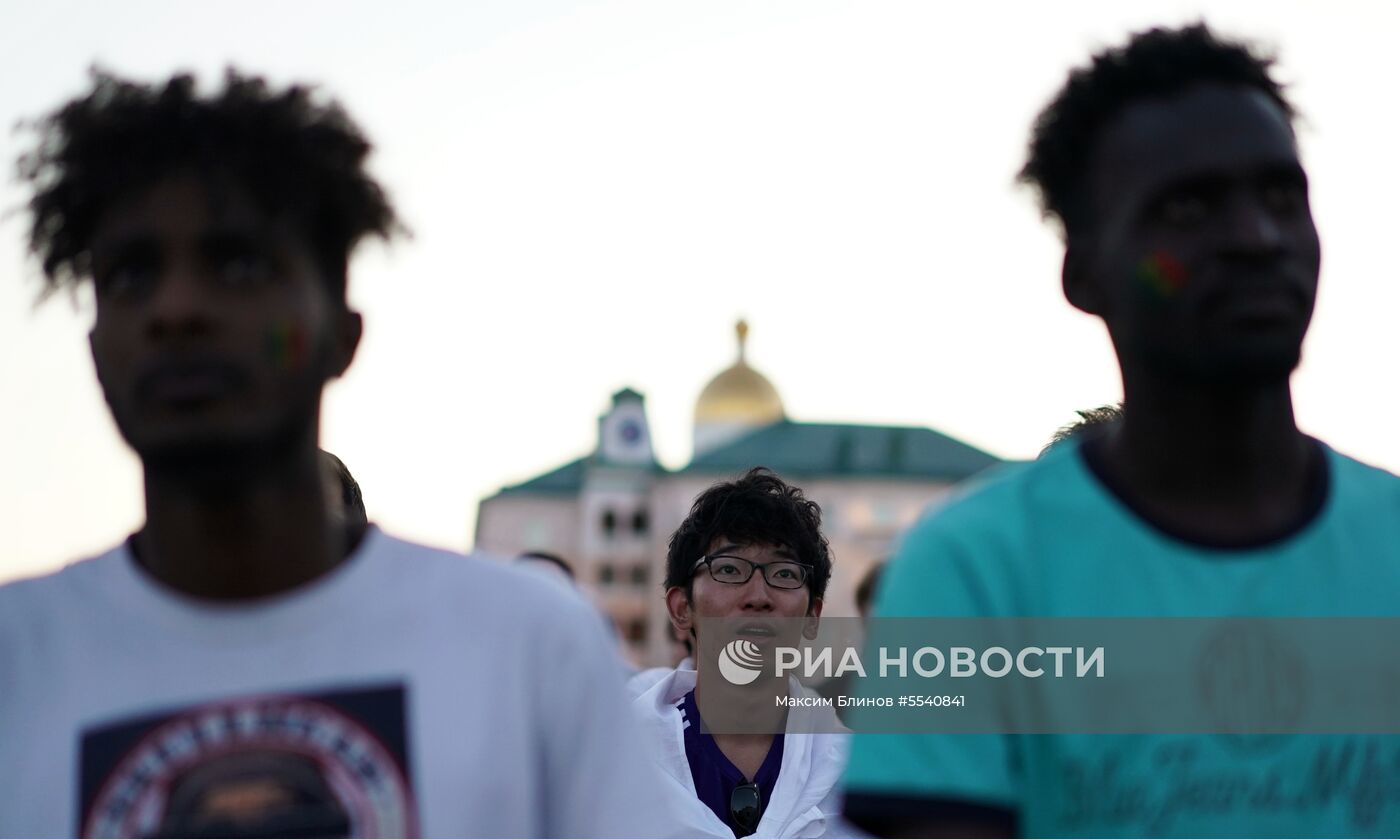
739, 394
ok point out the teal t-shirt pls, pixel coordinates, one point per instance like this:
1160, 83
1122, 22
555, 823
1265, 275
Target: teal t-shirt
1050, 539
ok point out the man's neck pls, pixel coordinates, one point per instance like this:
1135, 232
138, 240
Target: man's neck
761, 715
254, 537
1228, 464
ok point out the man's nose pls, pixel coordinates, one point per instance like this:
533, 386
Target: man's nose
757, 594
180, 306
1250, 228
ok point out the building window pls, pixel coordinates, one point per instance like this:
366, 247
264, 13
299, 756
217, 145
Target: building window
639, 576
635, 631
609, 523
605, 574
641, 522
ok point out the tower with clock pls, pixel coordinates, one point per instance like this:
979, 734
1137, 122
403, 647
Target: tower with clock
623, 436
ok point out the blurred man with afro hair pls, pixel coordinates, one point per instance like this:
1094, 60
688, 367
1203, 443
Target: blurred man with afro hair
436, 694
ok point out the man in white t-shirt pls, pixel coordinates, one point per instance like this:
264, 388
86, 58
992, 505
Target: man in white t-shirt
241, 665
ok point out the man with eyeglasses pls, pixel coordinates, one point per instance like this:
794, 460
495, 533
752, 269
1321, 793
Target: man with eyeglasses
746, 566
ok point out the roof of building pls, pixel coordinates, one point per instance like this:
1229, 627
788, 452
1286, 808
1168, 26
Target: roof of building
810, 450
839, 450
627, 394
566, 480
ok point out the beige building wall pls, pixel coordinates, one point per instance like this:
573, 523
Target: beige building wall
511, 525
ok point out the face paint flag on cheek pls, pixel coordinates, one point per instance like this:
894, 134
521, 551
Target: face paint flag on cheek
286, 345
1162, 273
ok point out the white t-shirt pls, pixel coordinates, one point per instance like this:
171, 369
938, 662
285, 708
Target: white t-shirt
410, 692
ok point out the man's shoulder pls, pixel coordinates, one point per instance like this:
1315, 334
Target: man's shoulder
485, 585
995, 502
34, 611
643, 681
1354, 479
55, 587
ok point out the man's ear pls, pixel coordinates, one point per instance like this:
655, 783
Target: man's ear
813, 621
678, 608
349, 328
1077, 278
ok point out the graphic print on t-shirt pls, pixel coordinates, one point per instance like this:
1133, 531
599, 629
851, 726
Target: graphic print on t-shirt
331, 764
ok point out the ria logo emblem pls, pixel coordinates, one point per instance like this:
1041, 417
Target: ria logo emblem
740, 662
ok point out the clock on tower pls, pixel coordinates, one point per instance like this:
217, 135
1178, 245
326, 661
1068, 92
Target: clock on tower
624, 438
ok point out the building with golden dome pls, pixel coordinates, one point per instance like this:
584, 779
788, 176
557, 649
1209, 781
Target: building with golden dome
611, 512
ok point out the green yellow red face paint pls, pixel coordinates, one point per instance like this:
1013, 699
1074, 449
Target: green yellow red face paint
1162, 273
286, 345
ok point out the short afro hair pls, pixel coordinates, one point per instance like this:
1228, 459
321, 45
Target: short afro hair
1091, 421
757, 509
295, 154
1155, 64
352, 499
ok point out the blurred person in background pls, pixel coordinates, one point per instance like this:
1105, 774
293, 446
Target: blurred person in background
751, 551
246, 635
845, 684
547, 563
345, 502
1172, 167
865, 589
1091, 421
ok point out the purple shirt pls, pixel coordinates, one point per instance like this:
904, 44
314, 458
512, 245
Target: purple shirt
714, 776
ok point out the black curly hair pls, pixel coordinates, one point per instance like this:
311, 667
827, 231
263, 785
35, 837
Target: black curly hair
297, 155
1091, 421
1155, 64
757, 509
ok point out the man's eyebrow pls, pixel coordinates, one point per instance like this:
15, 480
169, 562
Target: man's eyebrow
230, 240
139, 246
1291, 171
781, 550
1213, 180
1210, 180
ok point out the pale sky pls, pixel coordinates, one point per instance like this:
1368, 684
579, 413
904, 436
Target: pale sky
599, 189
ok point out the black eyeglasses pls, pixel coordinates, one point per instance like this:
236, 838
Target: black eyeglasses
746, 808
735, 571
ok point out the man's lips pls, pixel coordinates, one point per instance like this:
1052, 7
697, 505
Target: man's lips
188, 382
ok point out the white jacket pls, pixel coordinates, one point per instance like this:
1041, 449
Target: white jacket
806, 801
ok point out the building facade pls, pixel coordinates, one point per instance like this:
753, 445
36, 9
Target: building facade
611, 512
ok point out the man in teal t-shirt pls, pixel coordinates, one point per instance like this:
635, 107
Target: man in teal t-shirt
1172, 166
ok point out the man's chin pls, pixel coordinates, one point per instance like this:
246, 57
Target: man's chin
213, 454
1242, 365
1255, 366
